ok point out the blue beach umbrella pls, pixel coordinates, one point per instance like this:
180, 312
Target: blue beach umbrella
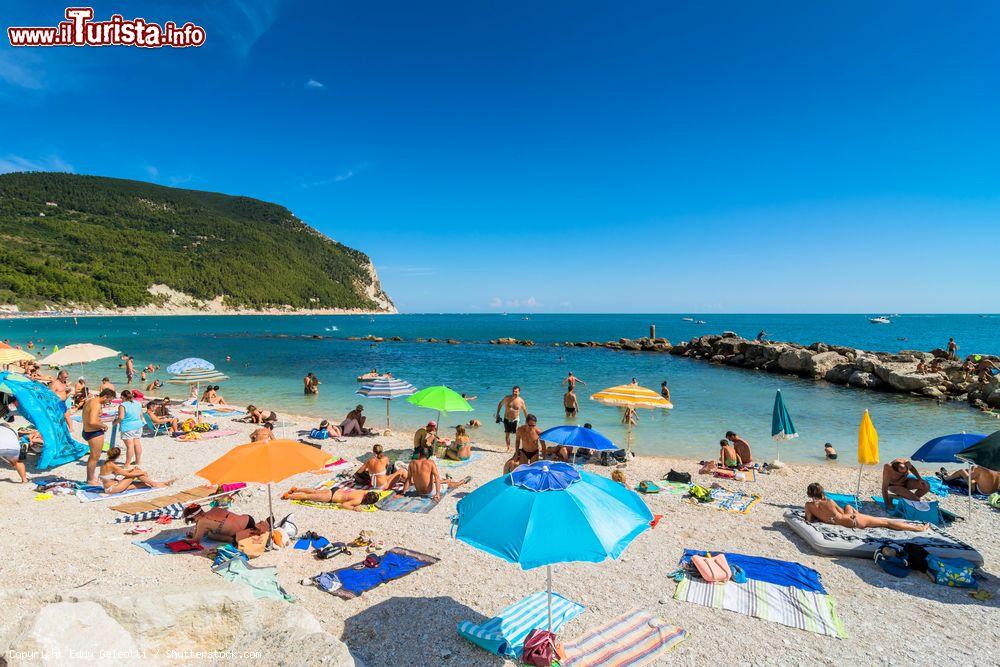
578, 436
782, 427
190, 364
944, 448
550, 512
387, 389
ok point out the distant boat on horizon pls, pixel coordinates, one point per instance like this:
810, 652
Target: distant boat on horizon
687, 319
882, 319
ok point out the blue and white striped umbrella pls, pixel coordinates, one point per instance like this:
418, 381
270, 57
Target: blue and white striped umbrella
388, 389
190, 364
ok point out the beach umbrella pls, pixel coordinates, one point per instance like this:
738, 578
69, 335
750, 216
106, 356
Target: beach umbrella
782, 427
195, 376
264, 463
867, 446
985, 453
549, 512
387, 389
190, 364
10, 355
578, 437
440, 398
631, 396
78, 353
944, 448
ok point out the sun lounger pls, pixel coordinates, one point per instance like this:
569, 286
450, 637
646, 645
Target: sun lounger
632, 640
505, 633
834, 540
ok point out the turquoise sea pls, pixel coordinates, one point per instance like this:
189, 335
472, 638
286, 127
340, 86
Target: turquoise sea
270, 355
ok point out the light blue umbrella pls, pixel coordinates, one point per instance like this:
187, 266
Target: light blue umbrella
550, 512
387, 389
190, 364
782, 427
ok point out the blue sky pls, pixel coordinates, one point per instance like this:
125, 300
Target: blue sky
565, 156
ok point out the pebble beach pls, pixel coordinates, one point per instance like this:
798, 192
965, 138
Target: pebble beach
62, 549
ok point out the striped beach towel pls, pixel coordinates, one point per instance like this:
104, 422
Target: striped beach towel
504, 634
632, 640
733, 501
174, 511
788, 605
410, 502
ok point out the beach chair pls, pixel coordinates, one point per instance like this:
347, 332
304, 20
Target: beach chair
153, 428
505, 633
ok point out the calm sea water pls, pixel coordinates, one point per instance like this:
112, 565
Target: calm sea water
271, 354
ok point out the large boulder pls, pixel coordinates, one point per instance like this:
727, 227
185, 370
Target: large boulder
902, 376
819, 364
77, 633
840, 374
864, 380
796, 361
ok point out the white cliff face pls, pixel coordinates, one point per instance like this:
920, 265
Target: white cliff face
374, 291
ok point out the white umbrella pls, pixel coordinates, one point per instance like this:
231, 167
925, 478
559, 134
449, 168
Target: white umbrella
78, 353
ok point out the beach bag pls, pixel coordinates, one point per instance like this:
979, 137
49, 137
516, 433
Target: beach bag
683, 477
713, 569
319, 434
956, 572
541, 649
700, 493
920, 510
892, 559
253, 545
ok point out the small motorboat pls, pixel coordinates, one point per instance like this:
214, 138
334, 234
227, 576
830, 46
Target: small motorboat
700, 322
882, 319
687, 319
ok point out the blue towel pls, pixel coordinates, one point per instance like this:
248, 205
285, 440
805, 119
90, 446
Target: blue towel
772, 571
844, 499
349, 583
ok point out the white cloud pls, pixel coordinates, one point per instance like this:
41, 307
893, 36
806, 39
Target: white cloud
496, 302
338, 178
16, 70
11, 163
313, 83
530, 303
152, 171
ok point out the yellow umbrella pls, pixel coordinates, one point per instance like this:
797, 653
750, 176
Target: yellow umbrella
11, 355
631, 396
867, 445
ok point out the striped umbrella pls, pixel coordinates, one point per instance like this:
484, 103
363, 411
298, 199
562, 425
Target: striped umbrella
174, 511
782, 427
10, 355
190, 364
196, 377
387, 389
631, 396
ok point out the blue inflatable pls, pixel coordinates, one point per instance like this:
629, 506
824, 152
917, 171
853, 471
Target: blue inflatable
46, 411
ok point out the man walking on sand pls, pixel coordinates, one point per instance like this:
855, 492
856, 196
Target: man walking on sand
93, 430
513, 405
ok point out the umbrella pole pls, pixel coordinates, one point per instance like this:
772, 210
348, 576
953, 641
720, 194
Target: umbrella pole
858, 492
548, 577
387, 414
270, 511
970, 492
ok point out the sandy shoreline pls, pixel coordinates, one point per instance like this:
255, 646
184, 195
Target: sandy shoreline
61, 547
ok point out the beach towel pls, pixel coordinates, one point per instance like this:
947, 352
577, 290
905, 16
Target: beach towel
788, 605
336, 506
845, 499
448, 463
674, 488
410, 502
961, 487
263, 581
733, 501
146, 504
632, 640
217, 433
91, 494
938, 487
348, 583
504, 634
769, 570
157, 544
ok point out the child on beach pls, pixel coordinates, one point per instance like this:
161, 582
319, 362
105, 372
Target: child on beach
728, 458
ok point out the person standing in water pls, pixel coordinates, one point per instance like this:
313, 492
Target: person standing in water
570, 403
664, 390
571, 381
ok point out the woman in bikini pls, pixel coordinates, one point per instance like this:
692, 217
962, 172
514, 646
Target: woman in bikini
820, 508
461, 447
217, 523
377, 470
352, 499
116, 479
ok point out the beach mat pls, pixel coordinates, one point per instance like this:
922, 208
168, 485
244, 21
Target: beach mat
263, 581
634, 639
90, 494
410, 502
348, 583
159, 502
674, 488
448, 463
210, 435
157, 545
733, 501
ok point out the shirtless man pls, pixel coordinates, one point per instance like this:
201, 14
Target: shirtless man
896, 482
741, 446
513, 405
728, 457
820, 508
527, 445
106, 384
59, 385
264, 433
423, 475
571, 403
129, 370
571, 381
93, 430
984, 480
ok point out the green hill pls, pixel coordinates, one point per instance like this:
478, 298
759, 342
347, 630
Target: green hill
84, 241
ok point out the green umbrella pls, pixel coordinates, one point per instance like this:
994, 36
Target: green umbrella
782, 427
985, 453
440, 398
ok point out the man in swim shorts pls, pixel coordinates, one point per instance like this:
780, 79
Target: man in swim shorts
425, 478
527, 444
571, 403
513, 406
93, 430
897, 483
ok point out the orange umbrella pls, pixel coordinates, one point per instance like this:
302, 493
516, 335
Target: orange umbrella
264, 463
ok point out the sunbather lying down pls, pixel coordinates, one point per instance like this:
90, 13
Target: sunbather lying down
353, 499
821, 508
